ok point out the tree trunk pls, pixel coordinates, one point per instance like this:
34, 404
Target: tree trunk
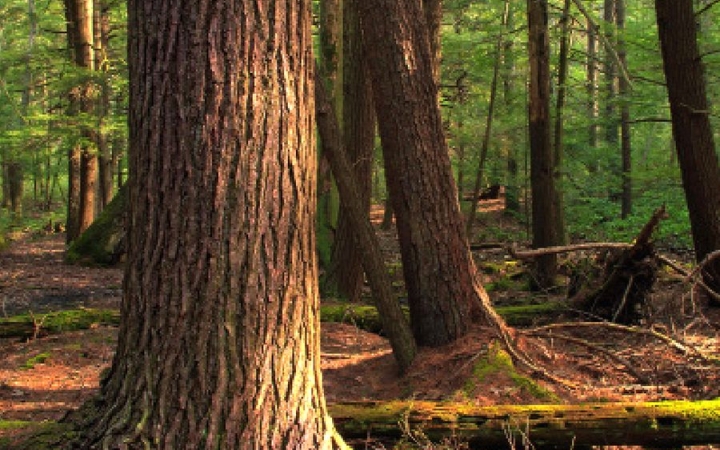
363, 236
559, 130
542, 165
592, 90
101, 31
433, 10
219, 341
691, 128
488, 121
624, 90
81, 204
331, 54
345, 273
444, 293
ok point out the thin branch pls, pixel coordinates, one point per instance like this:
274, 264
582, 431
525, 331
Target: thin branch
527, 254
705, 8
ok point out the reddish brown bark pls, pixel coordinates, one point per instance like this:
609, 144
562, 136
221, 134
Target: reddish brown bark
443, 290
219, 338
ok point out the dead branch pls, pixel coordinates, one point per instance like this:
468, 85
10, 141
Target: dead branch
528, 254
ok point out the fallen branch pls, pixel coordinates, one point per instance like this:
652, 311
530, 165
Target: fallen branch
528, 254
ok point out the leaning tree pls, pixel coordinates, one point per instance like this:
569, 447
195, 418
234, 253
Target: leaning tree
219, 343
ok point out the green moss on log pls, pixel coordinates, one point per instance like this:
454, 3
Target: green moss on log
28, 325
102, 243
669, 423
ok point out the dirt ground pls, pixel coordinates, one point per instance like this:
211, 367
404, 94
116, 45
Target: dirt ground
672, 356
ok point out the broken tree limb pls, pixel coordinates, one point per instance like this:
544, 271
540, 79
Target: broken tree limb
528, 254
547, 426
394, 323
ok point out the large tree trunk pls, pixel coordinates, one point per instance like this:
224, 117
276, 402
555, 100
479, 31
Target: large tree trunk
691, 128
444, 293
219, 341
542, 165
345, 272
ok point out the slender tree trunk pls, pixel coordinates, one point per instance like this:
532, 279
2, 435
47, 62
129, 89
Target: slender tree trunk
444, 293
81, 206
592, 91
512, 187
219, 342
542, 163
363, 236
488, 121
693, 135
345, 272
101, 30
559, 131
624, 91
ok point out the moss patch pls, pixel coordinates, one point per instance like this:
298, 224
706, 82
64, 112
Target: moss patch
497, 362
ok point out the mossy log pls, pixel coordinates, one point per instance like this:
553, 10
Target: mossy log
656, 424
103, 243
28, 326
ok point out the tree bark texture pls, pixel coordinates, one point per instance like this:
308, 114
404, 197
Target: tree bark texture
691, 128
345, 272
444, 293
219, 343
542, 165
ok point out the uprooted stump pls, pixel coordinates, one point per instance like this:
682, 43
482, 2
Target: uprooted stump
628, 277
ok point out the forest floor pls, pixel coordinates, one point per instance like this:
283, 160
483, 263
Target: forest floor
42, 378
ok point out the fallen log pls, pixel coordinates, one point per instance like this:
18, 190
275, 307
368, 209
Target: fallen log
656, 424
